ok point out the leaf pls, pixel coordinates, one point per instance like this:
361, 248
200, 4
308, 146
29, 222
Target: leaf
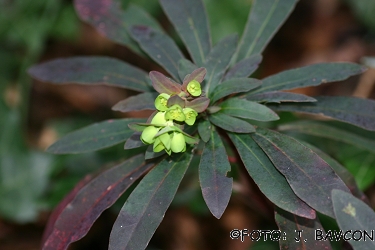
278, 97
299, 232
356, 111
90, 71
231, 124
265, 18
94, 137
109, 20
80, 214
147, 204
354, 216
185, 67
160, 47
234, 86
244, 68
218, 61
162, 84
326, 131
134, 141
312, 75
213, 169
246, 109
269, 180
138, 102
199, 104
173, 100
204, 130
310, 177
190, 21
150, 154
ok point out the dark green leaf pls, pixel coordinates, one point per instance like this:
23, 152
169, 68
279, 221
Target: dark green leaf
230, 123
147, 204
278, 97
199, 104
134, 141
139, 102
109, 20
185, 67
160, 47
92, 70
326, 131
356, 111
268, 179
234, 86
310, 177
190, 20
311, 75
244, 68
162, 84
354, 216
94, 137
80, 214
248, 110
218, 61
299, 232
213, 169
204, 130
150, 154
265, 19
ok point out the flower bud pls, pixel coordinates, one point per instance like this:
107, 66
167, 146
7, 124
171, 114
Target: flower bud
178, 143
175, 113
194, 88
161, 102
147, 136
190, 115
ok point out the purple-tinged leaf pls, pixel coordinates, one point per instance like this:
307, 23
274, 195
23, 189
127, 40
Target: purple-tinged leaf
213, 169
160, 47
134, 141
269, 180
218, 61
204, 130
185, 67
147, 204
112, 22
231, 123
150, 154
162, 84
356, 217
356, 111
94, 137
199, 104
244, 68
265, 18
90, 71
173, 100
139, 102
310, 177
311, 75
234, 86
299, 233
189, 18
278, 97
330, 132
197, 74
99, 194
246, 109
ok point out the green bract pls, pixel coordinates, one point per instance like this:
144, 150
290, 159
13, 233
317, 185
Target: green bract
148, 134
159, 119
175, 113
194, 88
190, 115
178, 143
161, 102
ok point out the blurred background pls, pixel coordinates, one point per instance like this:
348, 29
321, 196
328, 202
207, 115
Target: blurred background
34, 114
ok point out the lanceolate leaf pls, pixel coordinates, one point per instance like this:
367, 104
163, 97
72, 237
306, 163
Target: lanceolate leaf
160, 47
278, 97
333, 133
233, 86
109, 20
162, 84
92, 70
94, 137
213, 169
356, 111
99, 194
134, 141
190, 20
248, 110
310, 177
244, 68
230, 123
265, 18
355, 217
147, 204
136, 103
268, 179
218, 61
185, 67
199, 104
311, 75
299, 232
